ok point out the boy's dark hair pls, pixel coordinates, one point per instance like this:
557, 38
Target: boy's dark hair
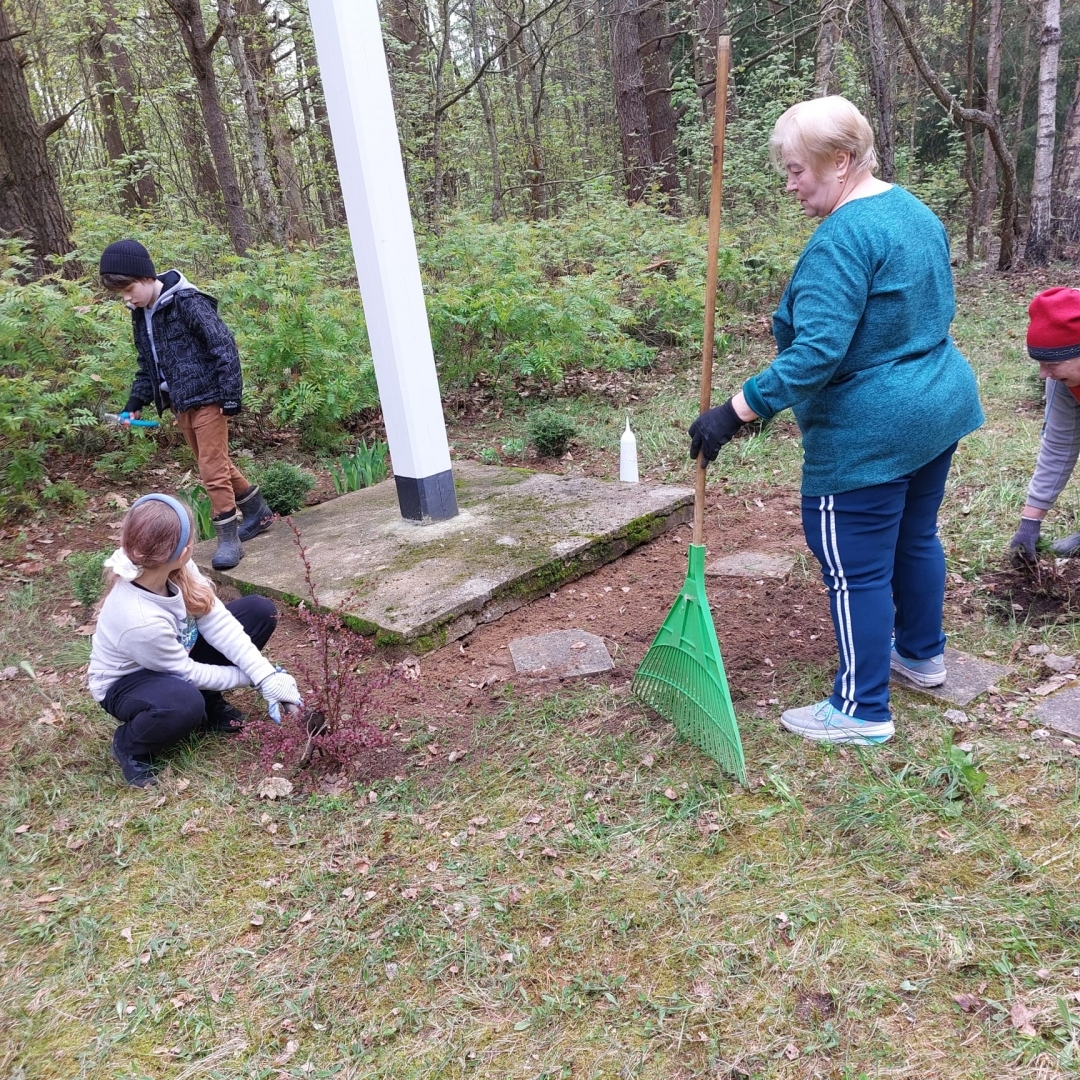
119, 282
127, 260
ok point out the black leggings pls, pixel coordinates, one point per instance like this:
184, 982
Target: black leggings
156, 711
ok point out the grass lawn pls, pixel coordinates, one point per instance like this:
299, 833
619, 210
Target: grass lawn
583, 896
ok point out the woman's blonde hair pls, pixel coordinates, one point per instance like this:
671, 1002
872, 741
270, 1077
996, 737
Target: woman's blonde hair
149, 537
815, 131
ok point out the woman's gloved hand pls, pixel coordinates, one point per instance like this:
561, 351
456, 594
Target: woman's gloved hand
1022, 545
280, 689
714, 429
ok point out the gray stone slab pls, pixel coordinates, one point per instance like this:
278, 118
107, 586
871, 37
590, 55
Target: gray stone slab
969, 676
519, 534
751, 564
560, 654
1061, 711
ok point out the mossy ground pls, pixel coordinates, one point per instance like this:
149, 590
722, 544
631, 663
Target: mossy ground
586, 897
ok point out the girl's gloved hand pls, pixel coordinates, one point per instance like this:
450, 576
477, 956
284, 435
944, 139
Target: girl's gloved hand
279, 689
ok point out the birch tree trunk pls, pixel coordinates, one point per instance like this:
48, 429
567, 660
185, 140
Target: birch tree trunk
1040, 221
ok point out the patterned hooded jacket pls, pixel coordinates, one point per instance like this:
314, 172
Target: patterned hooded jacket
187, 355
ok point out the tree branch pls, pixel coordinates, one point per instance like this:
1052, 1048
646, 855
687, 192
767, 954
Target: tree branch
54, 125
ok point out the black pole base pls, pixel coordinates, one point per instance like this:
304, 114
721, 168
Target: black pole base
429, 498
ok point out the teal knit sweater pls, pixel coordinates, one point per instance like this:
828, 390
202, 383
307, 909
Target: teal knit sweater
865, 358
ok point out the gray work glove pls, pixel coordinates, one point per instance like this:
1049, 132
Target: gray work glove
1022, 545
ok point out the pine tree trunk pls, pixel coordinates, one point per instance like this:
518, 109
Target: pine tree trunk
127, 96
988, 183
109, 111
30, 204
259, 46
654, 31
710, 24
489, 118
881, 90
200, 48
828, 41
1067, 178
256, 116
329, 185
630, 96
1040, 221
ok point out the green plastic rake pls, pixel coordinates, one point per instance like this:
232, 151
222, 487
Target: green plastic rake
682, 676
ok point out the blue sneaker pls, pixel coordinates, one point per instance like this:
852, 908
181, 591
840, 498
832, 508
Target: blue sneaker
823, 723
924, 673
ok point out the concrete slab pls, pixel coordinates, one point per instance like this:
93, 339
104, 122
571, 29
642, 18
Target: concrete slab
519, 535
1061, 711
560, 654
751, 564
969, 676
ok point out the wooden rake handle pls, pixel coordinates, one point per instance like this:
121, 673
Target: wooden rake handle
716, 197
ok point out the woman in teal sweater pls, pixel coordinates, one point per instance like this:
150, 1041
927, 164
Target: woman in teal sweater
881, 395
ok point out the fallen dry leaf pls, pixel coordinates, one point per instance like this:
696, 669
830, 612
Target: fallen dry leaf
307, 916
286, 1055
791, 1051
256, 920
457, 755
579, 645
968, 1002
1020, 1016
274, 787
47, 898
21, 829
670, 793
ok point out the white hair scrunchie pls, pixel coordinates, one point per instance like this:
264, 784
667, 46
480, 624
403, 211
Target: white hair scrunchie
119, 563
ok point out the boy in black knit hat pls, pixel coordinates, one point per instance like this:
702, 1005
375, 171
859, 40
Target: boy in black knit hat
188, 363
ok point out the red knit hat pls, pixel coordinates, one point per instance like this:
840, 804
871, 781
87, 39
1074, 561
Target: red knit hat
1054, 330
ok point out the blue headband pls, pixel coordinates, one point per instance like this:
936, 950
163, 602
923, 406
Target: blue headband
181, 513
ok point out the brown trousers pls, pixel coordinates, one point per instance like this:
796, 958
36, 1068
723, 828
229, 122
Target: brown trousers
206, 430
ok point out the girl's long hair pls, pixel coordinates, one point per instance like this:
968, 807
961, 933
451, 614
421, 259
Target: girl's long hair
149, 537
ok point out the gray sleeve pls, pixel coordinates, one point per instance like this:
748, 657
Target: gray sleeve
1058, 448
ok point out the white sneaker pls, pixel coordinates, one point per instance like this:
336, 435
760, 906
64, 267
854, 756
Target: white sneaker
823, 723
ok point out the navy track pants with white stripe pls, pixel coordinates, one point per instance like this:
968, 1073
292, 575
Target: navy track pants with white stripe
884, 567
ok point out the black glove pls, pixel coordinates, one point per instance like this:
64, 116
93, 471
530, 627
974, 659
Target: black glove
714, 429
231, 408
134, 405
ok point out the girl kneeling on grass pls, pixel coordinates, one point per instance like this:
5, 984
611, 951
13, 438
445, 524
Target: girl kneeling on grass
165, 646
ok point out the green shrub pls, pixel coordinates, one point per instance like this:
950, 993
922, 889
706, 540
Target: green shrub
283, 485
365, 466
489, 455
550, 431
86, 575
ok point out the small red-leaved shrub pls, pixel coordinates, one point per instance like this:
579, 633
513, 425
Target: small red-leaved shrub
333, 725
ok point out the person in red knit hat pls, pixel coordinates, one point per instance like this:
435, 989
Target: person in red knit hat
1053, 339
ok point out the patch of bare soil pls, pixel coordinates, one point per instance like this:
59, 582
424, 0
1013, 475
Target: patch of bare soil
1043, 593
770, 630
